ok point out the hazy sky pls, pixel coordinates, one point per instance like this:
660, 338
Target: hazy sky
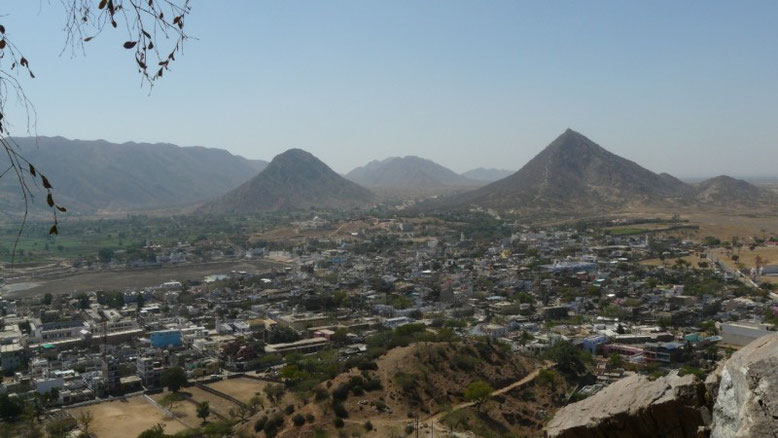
689, 88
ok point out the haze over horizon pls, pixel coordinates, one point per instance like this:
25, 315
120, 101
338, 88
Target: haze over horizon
688, 89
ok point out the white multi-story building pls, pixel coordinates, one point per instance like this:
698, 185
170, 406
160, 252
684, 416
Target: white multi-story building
58, 331
150, 371
11, 356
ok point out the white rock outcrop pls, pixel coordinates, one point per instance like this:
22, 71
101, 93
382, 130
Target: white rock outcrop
636, 407
742, 392
747, 400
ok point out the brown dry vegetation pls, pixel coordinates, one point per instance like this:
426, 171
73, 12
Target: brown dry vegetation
694, 261
427, 380
521, 412
241, 388
720, 224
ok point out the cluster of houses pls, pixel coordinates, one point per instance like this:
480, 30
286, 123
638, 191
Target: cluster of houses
531, 289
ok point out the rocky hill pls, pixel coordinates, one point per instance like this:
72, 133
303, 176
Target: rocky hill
725, 191
294, 180
487, 175
575, 174
90, 176
410, 175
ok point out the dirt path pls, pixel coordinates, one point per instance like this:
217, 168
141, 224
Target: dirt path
526, 379
432, 425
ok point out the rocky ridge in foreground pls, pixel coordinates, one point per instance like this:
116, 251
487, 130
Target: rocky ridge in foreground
738, 400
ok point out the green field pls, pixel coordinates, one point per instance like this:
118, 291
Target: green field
626, 231
82, 239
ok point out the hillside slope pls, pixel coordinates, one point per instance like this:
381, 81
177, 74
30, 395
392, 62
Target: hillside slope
487, 175
428, 380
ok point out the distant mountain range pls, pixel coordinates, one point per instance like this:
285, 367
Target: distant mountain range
574, 174
91, 176
408, 173
571, 175
487, 175
294, 180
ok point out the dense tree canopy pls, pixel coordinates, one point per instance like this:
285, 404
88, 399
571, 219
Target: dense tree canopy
174, 378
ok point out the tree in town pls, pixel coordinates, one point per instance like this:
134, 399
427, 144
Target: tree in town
174, 378
251, 408
255, 404
10, 409
615, 361
525, 337
274, 393
57, 428
340, 337
85, 420
170, 399
156, 431
83, 301
567, 357
478, 392
203, 410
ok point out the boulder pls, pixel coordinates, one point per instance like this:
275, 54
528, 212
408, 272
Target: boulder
672, 406
747, 400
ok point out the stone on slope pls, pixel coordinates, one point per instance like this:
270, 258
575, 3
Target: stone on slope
636, 407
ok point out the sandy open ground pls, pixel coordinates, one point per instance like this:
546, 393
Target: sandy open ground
184, 411
218, 404
241, 388
747, 257
725, 226
127, 418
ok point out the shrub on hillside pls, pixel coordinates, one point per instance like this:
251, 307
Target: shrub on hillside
340, 410
340, 392
272, 425
259, 426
